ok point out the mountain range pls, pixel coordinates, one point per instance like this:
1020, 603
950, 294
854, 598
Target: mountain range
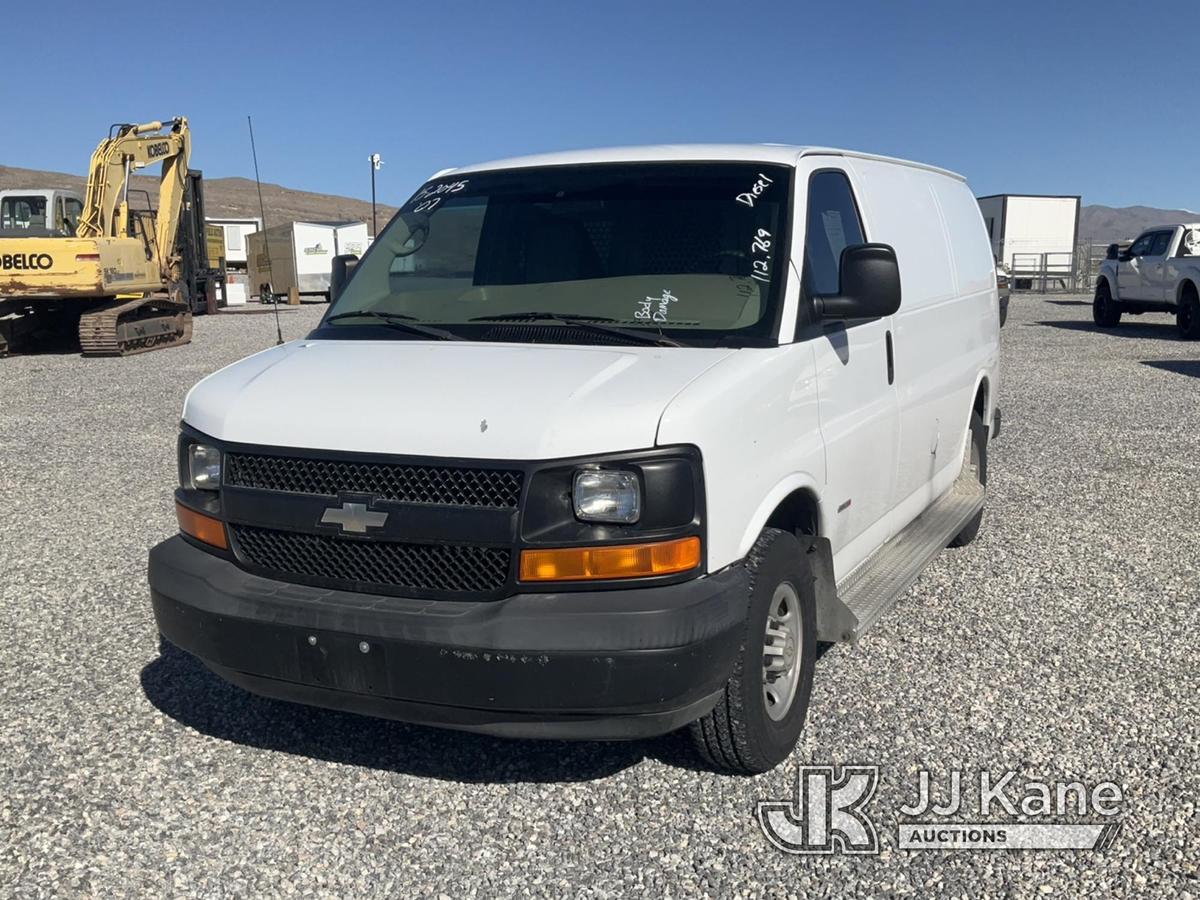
1102, 224
224, 198
237, 198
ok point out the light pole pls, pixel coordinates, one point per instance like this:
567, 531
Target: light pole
376, 163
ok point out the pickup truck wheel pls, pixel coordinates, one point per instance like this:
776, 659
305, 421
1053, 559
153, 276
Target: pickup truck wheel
758, 719
974, 466
1105, 311
1187, 319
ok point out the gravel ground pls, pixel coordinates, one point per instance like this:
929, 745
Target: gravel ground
1061, 644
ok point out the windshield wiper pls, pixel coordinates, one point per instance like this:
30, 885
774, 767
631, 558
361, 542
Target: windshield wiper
398, 321
585, 323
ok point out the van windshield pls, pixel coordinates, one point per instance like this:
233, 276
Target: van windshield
694, 251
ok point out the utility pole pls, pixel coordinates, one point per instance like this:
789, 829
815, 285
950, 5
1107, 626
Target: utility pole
376, 164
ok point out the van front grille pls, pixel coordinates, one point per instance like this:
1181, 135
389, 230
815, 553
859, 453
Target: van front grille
358, 565
404, 482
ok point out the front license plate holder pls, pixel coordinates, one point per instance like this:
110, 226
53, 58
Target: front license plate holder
338, 661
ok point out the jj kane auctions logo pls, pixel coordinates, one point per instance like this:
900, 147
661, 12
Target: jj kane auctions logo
829, 814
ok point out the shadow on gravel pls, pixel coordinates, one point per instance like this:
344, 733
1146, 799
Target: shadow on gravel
1162, 331
1178, 366
1070, 302
184, 689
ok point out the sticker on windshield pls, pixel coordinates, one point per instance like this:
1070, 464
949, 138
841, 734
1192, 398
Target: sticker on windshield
759, 188
428, 198
655, 308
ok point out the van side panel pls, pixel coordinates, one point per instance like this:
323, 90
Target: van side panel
973, 264
947, 328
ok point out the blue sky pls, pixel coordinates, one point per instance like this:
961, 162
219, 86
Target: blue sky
1044, 97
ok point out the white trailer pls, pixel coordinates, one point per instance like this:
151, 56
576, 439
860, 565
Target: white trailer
237, 278
236, 232
1032, 233
300, 255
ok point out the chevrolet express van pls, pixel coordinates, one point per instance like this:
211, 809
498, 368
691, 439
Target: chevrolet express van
599, 445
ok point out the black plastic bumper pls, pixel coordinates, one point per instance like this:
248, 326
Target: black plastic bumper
596, 665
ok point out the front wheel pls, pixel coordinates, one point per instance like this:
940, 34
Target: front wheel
760, 715
1187, 319
1105, 311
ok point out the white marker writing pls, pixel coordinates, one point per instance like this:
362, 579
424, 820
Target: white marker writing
760, 188
646, 308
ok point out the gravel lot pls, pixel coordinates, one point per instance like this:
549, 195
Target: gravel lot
1061, 644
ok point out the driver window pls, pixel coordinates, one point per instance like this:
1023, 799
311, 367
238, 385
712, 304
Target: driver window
1141, 245
1161, 241
833, 225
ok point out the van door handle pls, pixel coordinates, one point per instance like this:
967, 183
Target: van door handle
891, 359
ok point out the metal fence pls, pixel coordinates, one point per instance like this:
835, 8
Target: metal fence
1060, 272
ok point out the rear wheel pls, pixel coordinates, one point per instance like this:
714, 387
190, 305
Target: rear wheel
1105, 311
1187, 319
974, 467
758, 719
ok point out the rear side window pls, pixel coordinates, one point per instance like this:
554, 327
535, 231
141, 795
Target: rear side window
1161, 241
833, 225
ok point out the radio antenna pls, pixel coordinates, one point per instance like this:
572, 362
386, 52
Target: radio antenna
262, 213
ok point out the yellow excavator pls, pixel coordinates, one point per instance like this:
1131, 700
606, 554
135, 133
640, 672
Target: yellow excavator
126, 280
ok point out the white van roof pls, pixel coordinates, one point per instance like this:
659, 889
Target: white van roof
780, 154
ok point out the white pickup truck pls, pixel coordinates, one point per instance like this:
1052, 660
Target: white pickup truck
1160, 272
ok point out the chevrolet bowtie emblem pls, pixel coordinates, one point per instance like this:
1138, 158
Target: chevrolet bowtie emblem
353, 517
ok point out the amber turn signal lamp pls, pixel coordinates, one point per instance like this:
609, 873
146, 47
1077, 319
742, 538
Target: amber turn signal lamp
625, 561
203, 528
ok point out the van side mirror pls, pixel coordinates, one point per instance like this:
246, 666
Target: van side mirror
870, 280
343, 268
1113, 252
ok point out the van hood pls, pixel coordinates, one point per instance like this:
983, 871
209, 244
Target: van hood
467, 400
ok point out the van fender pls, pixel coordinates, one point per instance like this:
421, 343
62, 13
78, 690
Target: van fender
789, 485
835, 621
988, 411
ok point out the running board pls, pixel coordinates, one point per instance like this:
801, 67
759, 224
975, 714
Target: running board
874, 587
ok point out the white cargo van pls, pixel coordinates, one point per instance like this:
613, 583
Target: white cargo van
599, 445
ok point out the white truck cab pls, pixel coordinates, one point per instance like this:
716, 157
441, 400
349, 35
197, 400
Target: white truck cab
599, 445
1158, 272
41, 212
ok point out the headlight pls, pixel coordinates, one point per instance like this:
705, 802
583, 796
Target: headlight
606, 495
204, 467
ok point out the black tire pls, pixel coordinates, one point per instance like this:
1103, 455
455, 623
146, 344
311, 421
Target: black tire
1105, 311
978, 461
739, 735
1187, 319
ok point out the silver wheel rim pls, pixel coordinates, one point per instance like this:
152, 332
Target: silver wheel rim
781, 651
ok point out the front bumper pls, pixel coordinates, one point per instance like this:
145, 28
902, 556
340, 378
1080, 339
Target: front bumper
613, 664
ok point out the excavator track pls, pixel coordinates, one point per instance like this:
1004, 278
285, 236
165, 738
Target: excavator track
126, 327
